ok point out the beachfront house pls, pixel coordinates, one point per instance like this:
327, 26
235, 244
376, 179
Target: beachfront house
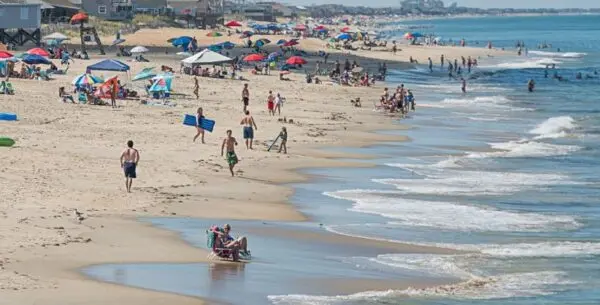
115, 10
200, 13
20, 22
259, 12
59, 10
153, 7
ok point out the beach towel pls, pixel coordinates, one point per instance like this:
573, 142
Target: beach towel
206, 124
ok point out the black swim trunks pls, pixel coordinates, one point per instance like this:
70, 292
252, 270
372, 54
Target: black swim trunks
246, 101
129, 168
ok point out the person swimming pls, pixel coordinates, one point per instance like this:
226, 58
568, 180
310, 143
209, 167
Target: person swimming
531, 85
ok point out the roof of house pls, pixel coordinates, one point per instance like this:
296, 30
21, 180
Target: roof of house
72, 4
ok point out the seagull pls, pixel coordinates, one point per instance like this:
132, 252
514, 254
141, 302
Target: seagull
79, 216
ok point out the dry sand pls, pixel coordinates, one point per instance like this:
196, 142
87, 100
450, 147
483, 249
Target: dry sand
66, 157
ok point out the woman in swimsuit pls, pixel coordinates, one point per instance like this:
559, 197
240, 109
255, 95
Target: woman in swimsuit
271, 103
200, 117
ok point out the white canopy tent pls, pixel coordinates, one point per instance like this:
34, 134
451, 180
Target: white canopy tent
206, 57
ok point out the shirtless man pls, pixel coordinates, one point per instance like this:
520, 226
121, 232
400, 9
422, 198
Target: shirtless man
230, 143
196, 87
245, 97
129, 160
248, 131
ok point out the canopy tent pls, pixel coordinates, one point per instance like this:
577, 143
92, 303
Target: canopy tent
109, 65
206, 57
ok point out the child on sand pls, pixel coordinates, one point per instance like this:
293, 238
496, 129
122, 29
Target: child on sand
230, 143
283, 136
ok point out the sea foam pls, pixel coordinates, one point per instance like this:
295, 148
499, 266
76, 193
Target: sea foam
555, 127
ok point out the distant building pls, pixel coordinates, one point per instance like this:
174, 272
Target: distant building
116, 10
153, 7
422, 6
59, 10
260, 12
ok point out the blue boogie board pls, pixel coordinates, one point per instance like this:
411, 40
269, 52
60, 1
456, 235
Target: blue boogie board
7, 116
206, 124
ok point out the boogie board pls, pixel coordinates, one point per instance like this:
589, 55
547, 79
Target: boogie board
4, 116
6, 142
206, 124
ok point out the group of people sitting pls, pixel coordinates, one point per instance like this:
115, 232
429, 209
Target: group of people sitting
402, 100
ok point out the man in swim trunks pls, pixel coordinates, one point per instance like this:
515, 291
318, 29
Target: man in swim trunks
239, 245
230, 143
248, 123
245, 97
129, 160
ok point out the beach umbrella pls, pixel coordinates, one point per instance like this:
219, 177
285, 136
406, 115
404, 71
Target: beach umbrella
344, 36
38, 51
320, 27
300, 27
35, 60
4, 54
296, 60
214, 34
181, 41
261, 42
265, 40
357, 70
79, 18
162, 83
408, 35
233, 23
273, 56
290, 43
345, 29
56, 36
146, 73
117, 42
139, 49
281, 41
228, 45
247, 34
215, 47
86, 79
254, 57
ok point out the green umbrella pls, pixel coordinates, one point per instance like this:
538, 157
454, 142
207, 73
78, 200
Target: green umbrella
146, 73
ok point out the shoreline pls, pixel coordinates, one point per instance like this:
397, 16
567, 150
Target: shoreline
166, 194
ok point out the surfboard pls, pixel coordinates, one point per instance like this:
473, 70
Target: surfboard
6, 142
206, 124
273, 144
5, 116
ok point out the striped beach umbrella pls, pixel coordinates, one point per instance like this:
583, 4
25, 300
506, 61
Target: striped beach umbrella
86, 79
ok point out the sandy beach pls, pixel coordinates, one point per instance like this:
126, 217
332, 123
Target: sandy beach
67, 158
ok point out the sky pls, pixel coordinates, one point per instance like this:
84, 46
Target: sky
469, 3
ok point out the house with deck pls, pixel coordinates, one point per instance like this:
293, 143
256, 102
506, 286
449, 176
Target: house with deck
20, 22
114, 10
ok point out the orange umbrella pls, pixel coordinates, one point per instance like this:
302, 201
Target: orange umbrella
254, 57
79, 18
296, 60
38, 51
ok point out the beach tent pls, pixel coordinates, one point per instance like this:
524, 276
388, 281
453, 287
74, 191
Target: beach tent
109, 65
206, 57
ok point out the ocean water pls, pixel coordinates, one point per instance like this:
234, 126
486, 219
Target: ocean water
508, 174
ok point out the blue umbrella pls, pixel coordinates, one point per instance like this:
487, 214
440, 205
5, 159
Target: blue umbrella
281, 41
273, 56
228, 45
182, 41
35, 60
216, 47
417, 34
260, 43
344, 36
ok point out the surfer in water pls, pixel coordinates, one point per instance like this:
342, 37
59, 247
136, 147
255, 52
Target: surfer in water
531, 85
129, 160
230, 142
463, 87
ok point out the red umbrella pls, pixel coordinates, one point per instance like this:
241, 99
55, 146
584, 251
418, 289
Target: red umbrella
300, 27
4, 54
254, 57
320, 27
38, 51
296, 60
345, 29
290, 43
233, 23
79, 18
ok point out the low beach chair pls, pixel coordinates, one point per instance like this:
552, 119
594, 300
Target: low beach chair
219, 252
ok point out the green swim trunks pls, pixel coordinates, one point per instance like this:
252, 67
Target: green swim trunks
232, 158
